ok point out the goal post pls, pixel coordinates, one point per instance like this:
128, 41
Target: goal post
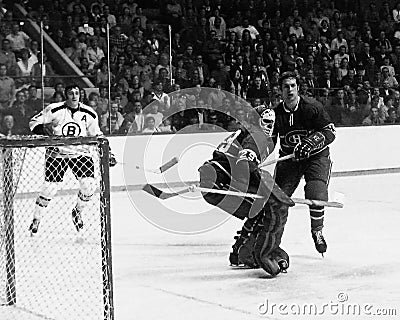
59, 273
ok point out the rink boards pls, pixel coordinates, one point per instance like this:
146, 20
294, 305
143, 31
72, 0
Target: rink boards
163, 275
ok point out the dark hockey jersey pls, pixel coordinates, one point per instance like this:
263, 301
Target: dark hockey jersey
292, 126
253, 141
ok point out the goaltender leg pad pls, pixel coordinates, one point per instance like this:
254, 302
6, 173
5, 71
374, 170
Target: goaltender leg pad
269, 238
262, 184
217, 177
268, 187
246, 252
281, 257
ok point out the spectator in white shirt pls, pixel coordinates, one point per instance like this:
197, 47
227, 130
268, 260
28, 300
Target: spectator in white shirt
245, 26
153, 108
338, 42
85, 28
297, 29
159, 94
18, 39
112, 120
110, 17
150, 126
94, 54
396, 13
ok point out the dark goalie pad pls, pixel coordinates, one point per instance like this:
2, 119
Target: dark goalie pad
214, 177
281, 257
280, 195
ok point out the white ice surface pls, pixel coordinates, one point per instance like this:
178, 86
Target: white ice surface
161, 275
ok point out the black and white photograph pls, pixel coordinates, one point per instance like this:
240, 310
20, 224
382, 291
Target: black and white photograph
199, 159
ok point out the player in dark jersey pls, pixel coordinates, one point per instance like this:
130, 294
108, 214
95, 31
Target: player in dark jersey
305, 130
234, 167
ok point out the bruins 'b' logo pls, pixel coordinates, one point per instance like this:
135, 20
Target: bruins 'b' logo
292, 138
71, 129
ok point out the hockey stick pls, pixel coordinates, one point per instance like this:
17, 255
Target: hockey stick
267, 163
166, 195
159, 170
162, 168
321, 203
193, 188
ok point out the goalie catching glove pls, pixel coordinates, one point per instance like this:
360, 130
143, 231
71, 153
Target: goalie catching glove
307, 145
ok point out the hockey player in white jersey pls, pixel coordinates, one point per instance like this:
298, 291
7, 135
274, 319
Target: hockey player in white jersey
68, 118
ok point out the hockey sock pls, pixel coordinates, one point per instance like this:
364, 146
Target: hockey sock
316, 189
317, 218
82, 201
49, 189
87, 188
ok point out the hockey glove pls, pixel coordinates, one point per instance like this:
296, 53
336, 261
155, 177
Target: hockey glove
111, 159
246, 166
304, 148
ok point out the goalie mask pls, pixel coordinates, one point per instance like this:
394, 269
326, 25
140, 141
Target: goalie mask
267, 121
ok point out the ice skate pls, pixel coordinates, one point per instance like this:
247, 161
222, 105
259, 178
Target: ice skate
77, 219
319, 241
33, 228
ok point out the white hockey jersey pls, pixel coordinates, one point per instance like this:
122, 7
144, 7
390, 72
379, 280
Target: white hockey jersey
65, 121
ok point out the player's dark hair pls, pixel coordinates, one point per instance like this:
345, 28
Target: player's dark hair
288, 75
70, 87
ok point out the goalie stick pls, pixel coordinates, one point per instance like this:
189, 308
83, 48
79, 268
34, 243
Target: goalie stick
169, 164
267, 163
163, 195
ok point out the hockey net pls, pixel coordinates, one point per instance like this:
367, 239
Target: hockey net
58, 273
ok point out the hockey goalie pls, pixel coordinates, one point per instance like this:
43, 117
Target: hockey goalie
234, 167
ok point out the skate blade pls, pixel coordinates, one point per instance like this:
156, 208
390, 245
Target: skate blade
241, 266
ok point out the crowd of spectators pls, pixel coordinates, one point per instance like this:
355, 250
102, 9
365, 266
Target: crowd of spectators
227, 56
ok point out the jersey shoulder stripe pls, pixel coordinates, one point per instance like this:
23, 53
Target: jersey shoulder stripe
82, 108
88, 111
57, 107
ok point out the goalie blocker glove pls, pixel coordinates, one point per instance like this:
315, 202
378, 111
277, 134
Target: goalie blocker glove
309, 144
247, 161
